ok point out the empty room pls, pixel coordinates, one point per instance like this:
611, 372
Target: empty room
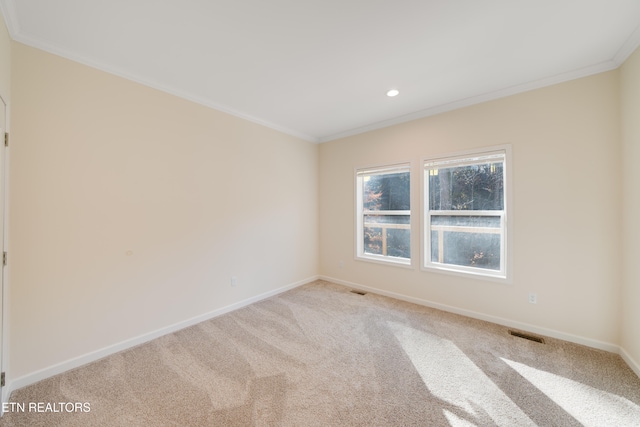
320, 213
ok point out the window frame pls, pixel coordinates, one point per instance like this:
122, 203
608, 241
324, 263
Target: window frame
505, 274
360, 213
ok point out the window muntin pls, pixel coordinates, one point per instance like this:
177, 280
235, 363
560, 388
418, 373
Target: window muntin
384, 214
465, 214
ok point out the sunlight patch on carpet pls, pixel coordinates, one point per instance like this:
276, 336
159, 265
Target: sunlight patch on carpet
456, 421
452, 377
588, 405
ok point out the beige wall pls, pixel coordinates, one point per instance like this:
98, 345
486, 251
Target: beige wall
567, 197
630, 97
131, 209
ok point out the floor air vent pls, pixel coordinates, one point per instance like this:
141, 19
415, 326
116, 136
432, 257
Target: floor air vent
358, 292
526, 336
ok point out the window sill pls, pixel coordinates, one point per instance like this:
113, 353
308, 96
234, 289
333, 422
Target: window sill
479, 275
391, 261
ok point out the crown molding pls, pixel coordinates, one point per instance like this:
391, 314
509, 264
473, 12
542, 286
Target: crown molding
8, 9
489, 96
629, 46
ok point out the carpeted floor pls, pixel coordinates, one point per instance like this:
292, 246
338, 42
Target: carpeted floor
320, 355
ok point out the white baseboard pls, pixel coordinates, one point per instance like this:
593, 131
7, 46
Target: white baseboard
634, 365
481, 316
141, 339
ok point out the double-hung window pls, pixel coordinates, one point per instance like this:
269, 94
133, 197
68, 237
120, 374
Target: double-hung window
383, 215
465, 213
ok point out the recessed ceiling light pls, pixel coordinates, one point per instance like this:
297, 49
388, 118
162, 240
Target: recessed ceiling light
393, 92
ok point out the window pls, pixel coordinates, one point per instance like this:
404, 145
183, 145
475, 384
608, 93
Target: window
384, 214
465, 220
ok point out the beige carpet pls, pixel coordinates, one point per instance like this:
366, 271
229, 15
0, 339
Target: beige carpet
320, 355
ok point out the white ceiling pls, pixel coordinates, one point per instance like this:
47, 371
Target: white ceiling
319, 69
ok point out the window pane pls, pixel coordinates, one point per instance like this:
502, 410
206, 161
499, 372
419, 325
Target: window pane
387, 235
386, 192
470, 241
384, 213
398, 243
436, 249
470, 187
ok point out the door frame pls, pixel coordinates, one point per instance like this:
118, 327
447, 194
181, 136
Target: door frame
4, 178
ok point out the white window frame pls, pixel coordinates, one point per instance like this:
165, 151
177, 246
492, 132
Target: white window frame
504, 275
360, 214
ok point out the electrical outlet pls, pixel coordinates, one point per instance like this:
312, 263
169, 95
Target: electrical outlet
533, 298
340, 264
234, 281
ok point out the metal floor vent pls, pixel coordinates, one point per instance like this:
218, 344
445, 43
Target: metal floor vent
527, 336
358, 292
